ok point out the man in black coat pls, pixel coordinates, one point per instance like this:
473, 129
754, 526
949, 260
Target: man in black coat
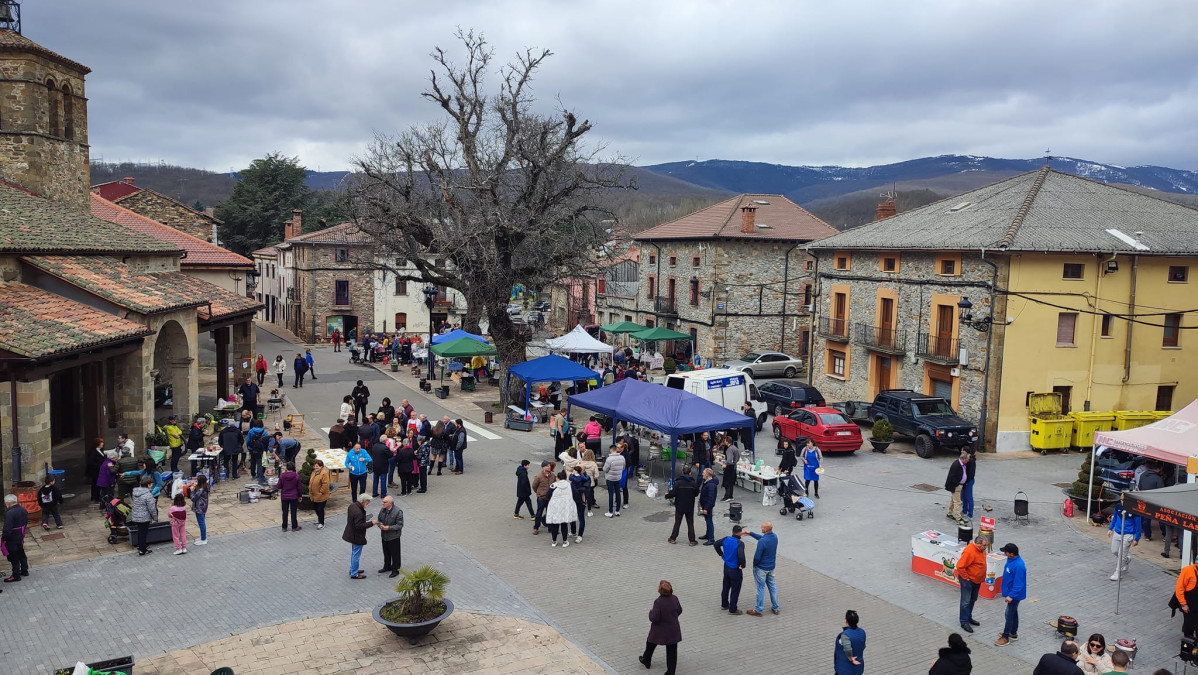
707, 495
1063, 662
361, 394
16, 522
231, 442
350, 433
683, 493
380, 460
958, 474
249, 395
356, 525
632, 459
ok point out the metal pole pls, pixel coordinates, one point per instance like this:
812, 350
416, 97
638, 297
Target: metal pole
1122, 550
1090, 492
430, 341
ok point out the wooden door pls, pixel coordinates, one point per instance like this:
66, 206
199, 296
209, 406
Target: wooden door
944, 330
886, 323
883, 368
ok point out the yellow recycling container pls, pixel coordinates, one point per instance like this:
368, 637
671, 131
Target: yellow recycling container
1050, 429
1086, 423
1130, 419
1162, 414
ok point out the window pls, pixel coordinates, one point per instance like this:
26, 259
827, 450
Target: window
1178, 274
401, 286
836, 362
889, 264
652, 259
694, 292
341, 294
807, 265
948, 267
1073, 271
68, 113
1172, 329
842, 261
649, 323
694, 336
696, 261
673, 260
52, 99
601, 284
1107, 319
806, 294
1066, 326
401, 321
1164, 397
651, 287
948, 264
627, 317
341, 255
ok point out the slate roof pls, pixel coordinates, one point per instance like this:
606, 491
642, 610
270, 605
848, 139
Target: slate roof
1044, 210
787, 221
345, 233
31, 225
114, 281
200, 253
36, 323
12, 41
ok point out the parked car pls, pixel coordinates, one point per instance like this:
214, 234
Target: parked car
766, 364
1117, 469
828, 428
542, 306
727, 388
780, 396
514, 310
930, 420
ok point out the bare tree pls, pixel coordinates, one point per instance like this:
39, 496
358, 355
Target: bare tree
493, 195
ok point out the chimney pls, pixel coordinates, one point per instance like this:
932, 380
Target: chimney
748, 219
127, 179
295, 226
885, 210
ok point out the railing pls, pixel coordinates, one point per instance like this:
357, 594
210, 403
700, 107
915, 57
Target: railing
834, 328
664, 305
942, 349
882, 339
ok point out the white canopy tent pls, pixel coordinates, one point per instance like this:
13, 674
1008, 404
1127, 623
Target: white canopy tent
577, 341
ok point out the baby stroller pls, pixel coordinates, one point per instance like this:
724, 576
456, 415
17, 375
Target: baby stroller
794, 498
355, 356
116, 514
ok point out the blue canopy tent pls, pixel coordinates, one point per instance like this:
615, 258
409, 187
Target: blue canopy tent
671, 411
552, 368
456, 334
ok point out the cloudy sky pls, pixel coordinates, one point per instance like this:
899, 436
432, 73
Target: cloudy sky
218, 83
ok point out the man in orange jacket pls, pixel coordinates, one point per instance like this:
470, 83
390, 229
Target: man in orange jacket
971, 572
1187, 595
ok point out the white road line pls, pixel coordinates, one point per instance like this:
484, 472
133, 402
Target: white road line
480, 431
469, 438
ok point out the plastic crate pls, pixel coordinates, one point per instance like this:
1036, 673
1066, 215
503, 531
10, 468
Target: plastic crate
1130, 419
1086, 423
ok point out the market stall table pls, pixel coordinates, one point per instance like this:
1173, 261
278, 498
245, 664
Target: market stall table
766, 476
934, 554
334, 462
205, 459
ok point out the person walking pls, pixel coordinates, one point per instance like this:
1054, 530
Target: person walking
318, 491
178, 517
457, 446
356, 525
683, 492
390, 522
1185, 598
967, 489
540, 487
613, 471
356, 460
849, 657
144, 512
523, 492
664, 628
311, 362
424, 461
12, 538
174, 439
1094, 659
954, 483
560, 511
199, 506
591, 468
812, 459
732, 550
953, 659
707, 496
336, 339
280, 368
579, 483
1014, 589
764, 561
1063, 662
299, 366
971, 572
49, 497
361, 394
380, 460
289, 495
1124, 532
260, 368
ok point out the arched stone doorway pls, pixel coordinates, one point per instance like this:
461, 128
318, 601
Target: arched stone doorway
171, 374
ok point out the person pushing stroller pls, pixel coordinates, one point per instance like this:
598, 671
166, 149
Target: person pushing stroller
794, 497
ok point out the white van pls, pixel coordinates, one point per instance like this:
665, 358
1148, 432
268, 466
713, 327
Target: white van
724, 387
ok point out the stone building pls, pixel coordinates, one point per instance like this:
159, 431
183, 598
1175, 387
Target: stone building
160, 208
1020, 287
733, 275
271, 290
399, 303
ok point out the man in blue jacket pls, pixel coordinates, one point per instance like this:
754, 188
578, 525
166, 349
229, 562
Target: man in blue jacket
732, 550
1014, 589
763, 567
1124, 532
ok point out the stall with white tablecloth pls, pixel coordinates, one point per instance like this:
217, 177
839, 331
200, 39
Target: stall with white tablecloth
934, 554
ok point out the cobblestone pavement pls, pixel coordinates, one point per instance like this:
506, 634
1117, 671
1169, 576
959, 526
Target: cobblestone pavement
463, 643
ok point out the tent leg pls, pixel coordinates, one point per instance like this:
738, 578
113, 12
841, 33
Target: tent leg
1090, 492
1187, 537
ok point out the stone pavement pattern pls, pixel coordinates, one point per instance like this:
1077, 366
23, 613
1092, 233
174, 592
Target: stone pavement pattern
463, 643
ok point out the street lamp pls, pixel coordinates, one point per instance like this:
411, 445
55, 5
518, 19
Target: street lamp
965, 312
430, 299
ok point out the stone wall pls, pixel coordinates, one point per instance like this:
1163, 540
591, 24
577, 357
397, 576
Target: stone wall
167, 211
317, 272
33, 420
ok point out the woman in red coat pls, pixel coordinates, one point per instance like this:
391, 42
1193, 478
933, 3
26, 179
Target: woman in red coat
665, 629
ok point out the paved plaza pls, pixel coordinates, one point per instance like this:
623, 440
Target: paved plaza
855, 554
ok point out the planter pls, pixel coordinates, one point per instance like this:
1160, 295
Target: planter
412, 631
122, 665
488, 417
879, 446
394, 367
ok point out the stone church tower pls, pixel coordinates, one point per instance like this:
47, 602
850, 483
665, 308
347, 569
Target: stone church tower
43, 118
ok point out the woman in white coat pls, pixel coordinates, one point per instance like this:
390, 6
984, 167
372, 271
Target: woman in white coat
280, 369
561, 511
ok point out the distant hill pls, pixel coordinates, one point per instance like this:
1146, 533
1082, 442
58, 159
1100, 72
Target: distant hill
182, 183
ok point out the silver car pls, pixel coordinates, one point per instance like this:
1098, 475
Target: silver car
766, 364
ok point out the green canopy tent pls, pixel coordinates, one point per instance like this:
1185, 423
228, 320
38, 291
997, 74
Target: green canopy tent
622, 327
658, 333
461, 348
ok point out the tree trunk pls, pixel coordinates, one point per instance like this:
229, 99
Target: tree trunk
474, 312
509, 341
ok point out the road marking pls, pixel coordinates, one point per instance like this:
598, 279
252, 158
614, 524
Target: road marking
469, 438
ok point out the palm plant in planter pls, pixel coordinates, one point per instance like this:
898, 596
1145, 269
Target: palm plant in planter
882, 436
421, 604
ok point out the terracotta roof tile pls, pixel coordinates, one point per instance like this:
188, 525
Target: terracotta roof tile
114, 190
30, 224
11, 40
269, 251
786, 221
224, 303
114, 281
345, 233
36, 323
200, 253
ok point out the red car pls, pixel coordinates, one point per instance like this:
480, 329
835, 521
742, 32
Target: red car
827, 427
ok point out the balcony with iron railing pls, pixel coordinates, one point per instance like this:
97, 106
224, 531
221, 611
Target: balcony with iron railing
834, 329
881, 339
665, 305
938, 349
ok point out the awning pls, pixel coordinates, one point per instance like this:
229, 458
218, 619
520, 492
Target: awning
1172, 439
1176, 505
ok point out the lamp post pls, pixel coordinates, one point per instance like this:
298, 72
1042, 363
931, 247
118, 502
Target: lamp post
430, 298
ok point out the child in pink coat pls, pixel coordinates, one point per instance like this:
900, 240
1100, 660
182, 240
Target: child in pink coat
178, 515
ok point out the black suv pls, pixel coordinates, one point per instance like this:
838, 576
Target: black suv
784, 395
930, 420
